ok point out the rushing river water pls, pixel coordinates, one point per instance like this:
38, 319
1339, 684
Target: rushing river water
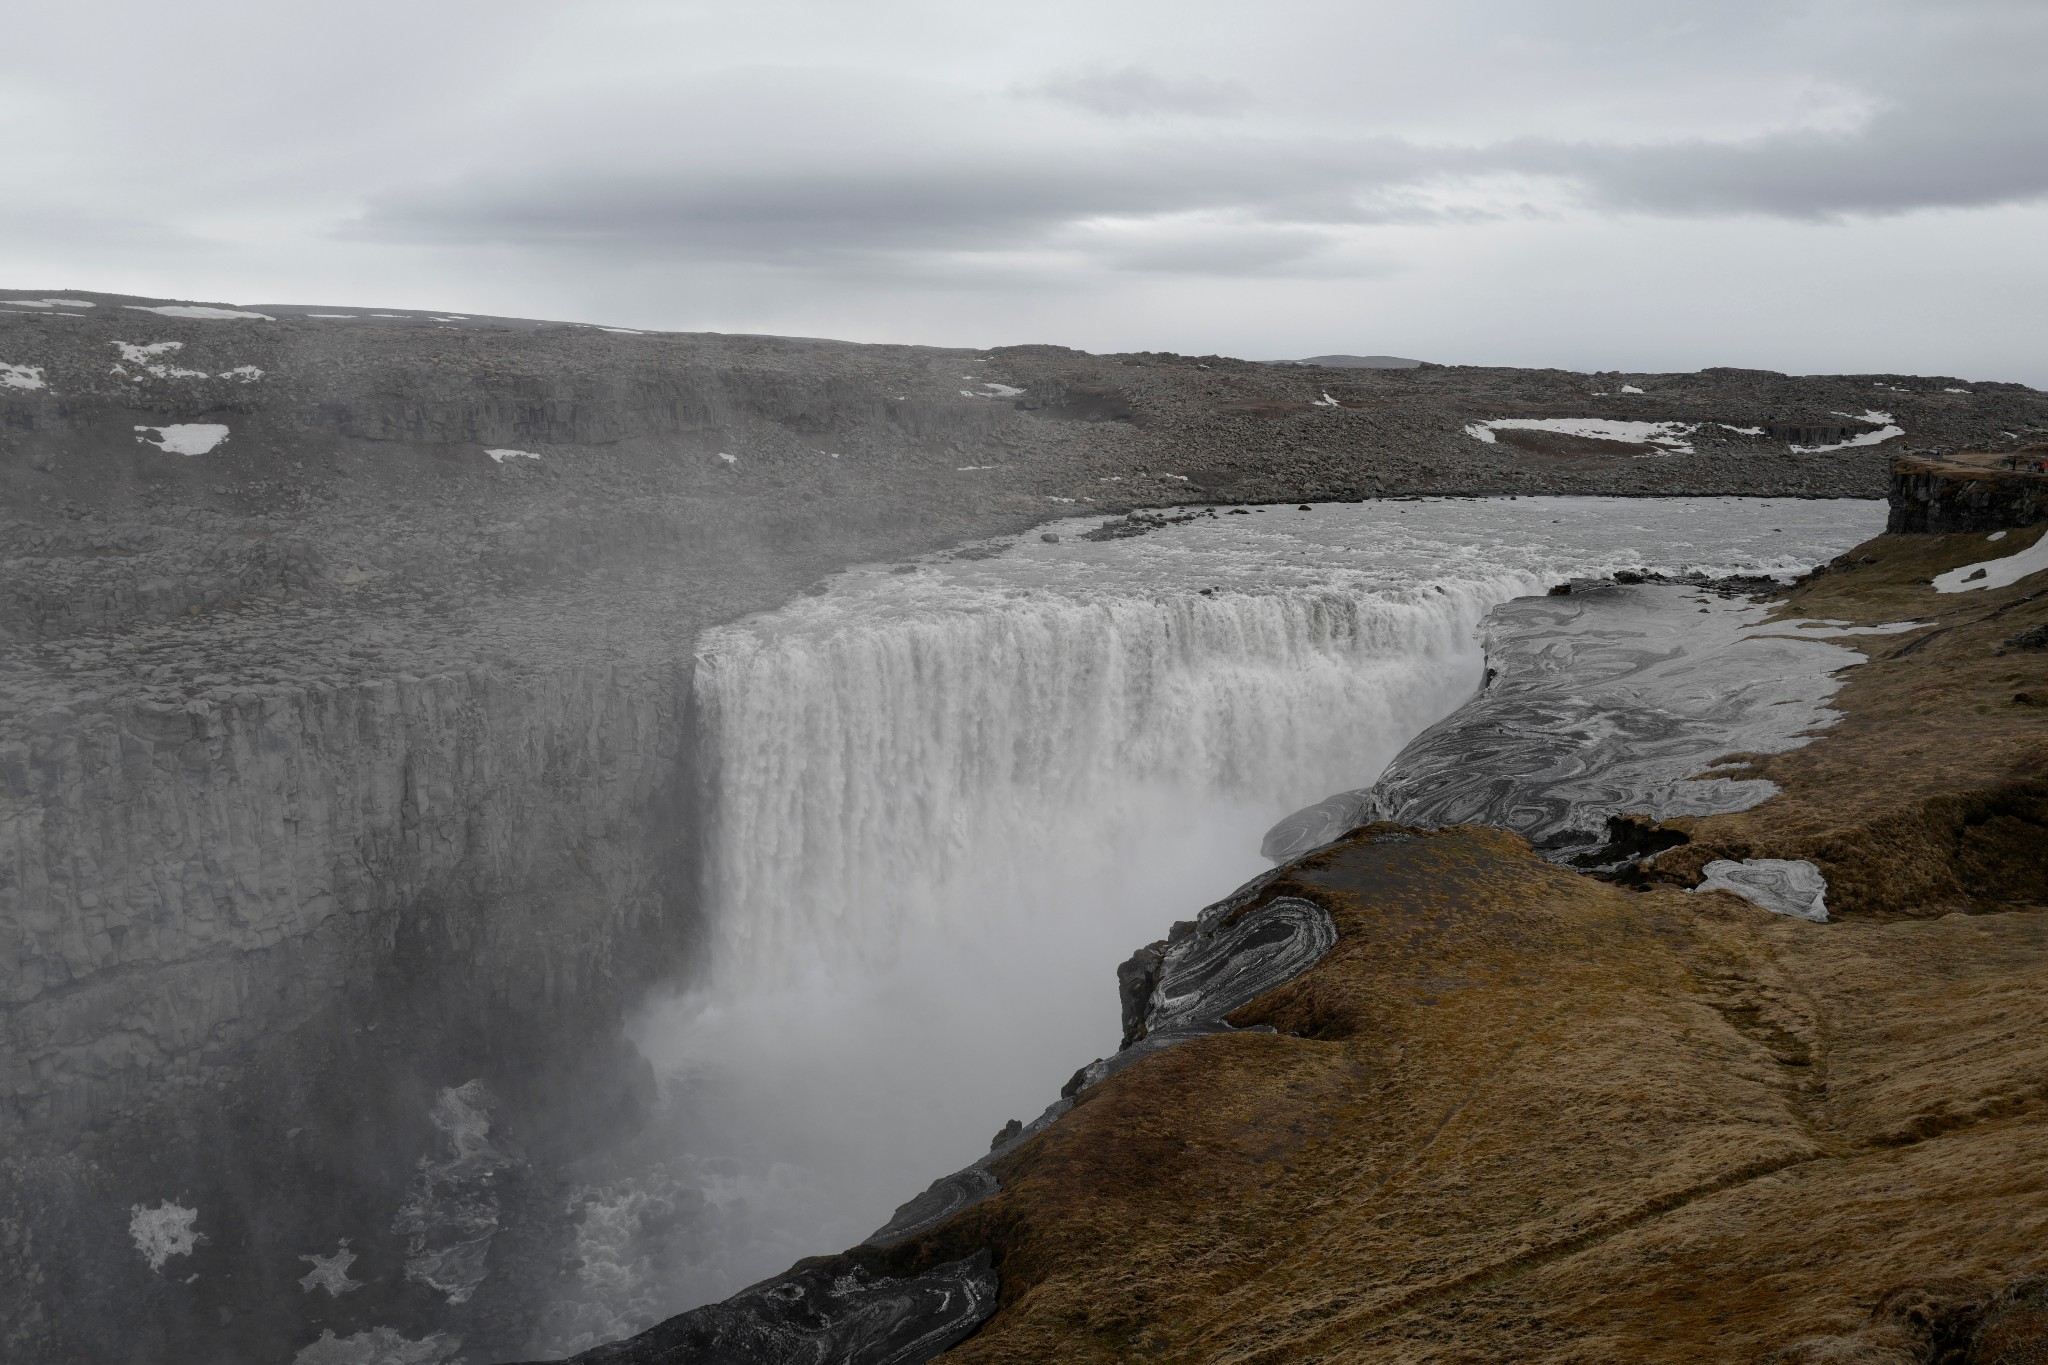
947, 799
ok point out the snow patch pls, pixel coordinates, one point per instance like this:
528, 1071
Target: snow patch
22, 377
163, 1232
1996, 573
1324, 402
248, 374
184, 438
376, 1346
1001, 390
1740, 431
501, 455
1955, 390
1669, 435
1885, 431
49, 303
330, 315
1995, 536
1630, 388
729, 459
623, 331
194, 310
330, 1272
969, 468
149, 360
1784, 886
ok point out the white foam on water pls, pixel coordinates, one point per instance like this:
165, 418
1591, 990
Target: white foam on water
194, 310
945, 804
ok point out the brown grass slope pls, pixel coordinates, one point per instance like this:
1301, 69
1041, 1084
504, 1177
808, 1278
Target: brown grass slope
1522, 1114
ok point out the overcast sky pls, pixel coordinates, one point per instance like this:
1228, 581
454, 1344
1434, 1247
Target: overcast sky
1859, 185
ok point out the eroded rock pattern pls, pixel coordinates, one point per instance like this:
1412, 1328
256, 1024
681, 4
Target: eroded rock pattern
818, 1317
1611, 701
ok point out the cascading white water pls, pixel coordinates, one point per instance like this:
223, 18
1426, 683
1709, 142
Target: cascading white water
949, 799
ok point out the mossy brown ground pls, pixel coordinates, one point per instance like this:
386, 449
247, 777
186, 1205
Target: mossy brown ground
1522, 1113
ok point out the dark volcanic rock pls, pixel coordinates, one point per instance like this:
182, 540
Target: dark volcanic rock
818, 1317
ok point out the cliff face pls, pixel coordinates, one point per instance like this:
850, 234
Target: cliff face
1945, 498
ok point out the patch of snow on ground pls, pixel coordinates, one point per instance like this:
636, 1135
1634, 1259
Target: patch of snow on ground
148, 359
1325, 401
622, 331
389, 315
163, 1232
1670, 435
729, 459
1955, 390
194, 310
1630, 388
248, 374
1001, 390
1995, 536
330, 1272
376, 1346
22, 377
501, 455
1997, 573
184, 438
1885, 431
1740, 431
49, 303
968, 468
330, 315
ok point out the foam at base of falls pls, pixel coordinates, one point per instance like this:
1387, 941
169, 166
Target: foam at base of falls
949, 798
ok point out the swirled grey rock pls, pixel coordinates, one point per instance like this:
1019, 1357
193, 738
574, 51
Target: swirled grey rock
1615, 700
942, 1199
812, 1316
1785, 886
1207, 975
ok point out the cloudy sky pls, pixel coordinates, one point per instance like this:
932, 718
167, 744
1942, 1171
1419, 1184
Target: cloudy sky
1852, 185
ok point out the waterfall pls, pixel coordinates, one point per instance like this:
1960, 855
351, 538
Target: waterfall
946, 799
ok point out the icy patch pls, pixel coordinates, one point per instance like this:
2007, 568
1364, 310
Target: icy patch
248, 374
377, 1346
1783, 886
330, 1272
1996, 573
185, 438
503, 455
150, 360
22, 377
163, 1232
1630, 388
450, 1213
1885, 431
194, 310
1670, 435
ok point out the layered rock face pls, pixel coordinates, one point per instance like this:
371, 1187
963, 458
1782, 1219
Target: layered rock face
1943, 498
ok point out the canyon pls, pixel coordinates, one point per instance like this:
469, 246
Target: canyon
357, 756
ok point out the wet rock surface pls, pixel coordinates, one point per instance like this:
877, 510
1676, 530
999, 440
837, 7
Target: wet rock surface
818, 1317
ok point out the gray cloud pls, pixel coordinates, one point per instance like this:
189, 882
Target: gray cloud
1133, 92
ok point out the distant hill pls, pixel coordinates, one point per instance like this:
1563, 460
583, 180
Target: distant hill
1357, 362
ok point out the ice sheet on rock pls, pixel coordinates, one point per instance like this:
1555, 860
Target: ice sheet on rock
450, 1213
1671, 436
193, 310
184, 438
1996, 573
1610, 701
1784, 886
163, 1232
21, 377
376, 1346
